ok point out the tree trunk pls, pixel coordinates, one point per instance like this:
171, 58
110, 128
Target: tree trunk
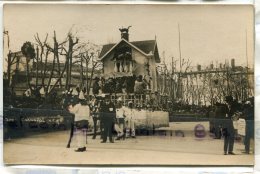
87, 80
9, 57
50, 78
56, 55
67, 73
69, 57
37, 61
28, 73
81, 71
91, 78
45, 68
60, 77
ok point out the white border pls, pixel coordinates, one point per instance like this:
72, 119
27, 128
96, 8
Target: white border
135, 170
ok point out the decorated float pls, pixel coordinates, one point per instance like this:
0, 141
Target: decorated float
129, 74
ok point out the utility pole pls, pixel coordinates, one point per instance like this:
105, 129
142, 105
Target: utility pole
248, 88
172, 80
179, 79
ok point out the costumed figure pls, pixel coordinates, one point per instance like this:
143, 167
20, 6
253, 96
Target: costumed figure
81, 122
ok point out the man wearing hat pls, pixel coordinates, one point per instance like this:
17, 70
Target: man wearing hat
228, 127
249, 117
107, 116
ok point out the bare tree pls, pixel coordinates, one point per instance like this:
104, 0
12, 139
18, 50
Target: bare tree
11, 60
89, 63
42, 54
185, 66
72, 42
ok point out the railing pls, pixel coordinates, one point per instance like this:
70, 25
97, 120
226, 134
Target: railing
22, 121
138, 100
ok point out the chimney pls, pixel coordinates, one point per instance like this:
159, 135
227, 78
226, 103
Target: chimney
124, 33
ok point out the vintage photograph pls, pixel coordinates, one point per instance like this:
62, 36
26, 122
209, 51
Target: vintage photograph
128, 84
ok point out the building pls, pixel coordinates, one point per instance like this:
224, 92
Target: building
208, 85
128, 58
39, 73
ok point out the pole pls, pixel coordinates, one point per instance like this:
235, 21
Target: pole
248, 90
179, 79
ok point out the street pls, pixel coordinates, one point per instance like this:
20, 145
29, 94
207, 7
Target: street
159, 149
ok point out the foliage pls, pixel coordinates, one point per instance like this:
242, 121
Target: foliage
28, 50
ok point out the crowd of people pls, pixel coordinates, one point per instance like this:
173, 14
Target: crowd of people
230, 111
131, 84
100, 113
106, 116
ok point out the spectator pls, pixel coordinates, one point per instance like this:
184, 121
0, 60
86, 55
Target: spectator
82, 115
228, 127
120, 115
107, 116
249, 117
130, 120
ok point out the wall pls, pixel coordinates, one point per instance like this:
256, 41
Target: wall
140, 59
138, 68
108, 64
153, 74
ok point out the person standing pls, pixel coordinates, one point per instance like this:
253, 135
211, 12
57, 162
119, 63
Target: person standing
130, 123
108, 116
95, 115
249, 117
82, 115
120, 115
228, 127
96, 87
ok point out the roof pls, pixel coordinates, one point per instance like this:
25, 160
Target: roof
146, 47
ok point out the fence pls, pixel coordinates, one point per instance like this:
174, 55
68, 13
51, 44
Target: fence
141, 100
20, 122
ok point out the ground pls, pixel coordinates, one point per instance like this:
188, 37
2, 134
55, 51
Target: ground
50, 148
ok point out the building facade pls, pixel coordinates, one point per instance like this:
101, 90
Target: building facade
125, 58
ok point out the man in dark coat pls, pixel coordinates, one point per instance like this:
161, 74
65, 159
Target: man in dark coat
249, 117
228, 127
108, 116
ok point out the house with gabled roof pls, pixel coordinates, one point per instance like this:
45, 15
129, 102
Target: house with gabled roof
129, 58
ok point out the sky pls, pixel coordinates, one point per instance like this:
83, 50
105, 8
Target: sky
208, 33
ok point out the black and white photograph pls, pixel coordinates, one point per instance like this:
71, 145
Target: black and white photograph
128, 84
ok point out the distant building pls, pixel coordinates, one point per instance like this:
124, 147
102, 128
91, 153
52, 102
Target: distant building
16, 66
127, 58
18, 74
208, 85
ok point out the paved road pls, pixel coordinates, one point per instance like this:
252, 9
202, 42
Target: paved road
153, 150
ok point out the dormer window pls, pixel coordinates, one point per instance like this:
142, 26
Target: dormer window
123, 59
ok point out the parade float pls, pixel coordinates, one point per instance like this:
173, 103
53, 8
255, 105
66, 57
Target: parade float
130, 74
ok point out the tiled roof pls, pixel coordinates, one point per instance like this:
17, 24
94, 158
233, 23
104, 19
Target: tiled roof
105, 49
146, 46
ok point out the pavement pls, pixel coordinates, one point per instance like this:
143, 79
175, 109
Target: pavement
180, 147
